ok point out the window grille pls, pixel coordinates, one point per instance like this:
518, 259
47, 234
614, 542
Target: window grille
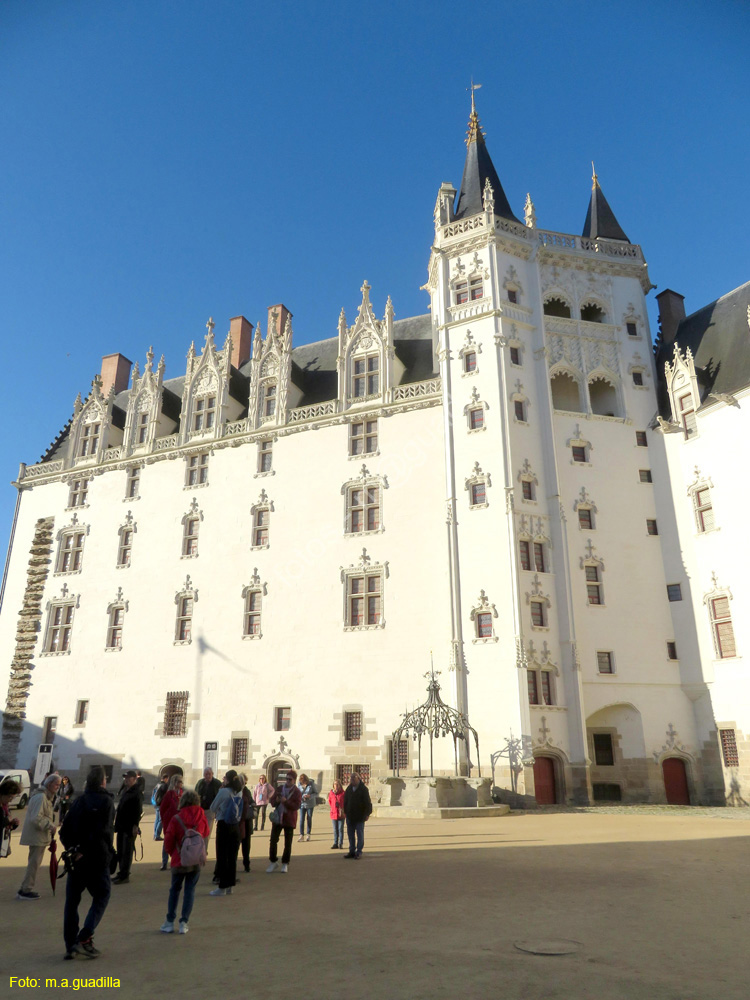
175, 713
402, 752
239, 752
604, 754
344, 772
352, 725
729, 747
604, 662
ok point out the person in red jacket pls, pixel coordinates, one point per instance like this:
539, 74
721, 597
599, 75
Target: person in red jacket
286, 801
189, 816
336, 804
168, 808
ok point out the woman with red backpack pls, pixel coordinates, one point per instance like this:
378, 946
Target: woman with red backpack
184, 841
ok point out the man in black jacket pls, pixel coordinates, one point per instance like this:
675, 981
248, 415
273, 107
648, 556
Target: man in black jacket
127, 821
357, 809
87, 832
207, 789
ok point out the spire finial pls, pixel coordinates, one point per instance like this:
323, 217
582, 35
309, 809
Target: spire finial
475, 131
594, 178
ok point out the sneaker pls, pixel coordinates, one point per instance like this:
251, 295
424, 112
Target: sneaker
183, 927
307, 837
218, 892
120, 879
301, 838
27, 894
167, 927
87, 948
284, 869
273, 867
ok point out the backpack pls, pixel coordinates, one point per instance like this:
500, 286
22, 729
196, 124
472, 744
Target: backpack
192, 848
153, 795
233, 812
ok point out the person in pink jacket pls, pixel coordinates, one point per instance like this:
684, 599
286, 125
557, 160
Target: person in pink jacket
188, 816
261, 794
336, 803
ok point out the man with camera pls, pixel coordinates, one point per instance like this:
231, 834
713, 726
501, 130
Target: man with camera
87, 834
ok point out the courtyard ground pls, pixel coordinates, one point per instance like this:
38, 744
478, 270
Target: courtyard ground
656, 897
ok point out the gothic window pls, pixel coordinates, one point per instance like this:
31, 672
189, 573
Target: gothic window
470, 290
555, 306
362, 509
528, 488
59, 627
605, 663
267, 401
141, 428
566, 392
525, 551
196, 470
638, 378
592, 312
603, 396
78, 492
365, 376
482, 616
363, 437
265, 455
133, 483
538, 616
515, 355
540, 564
512, 295
474, 411
478, 495
175, 713
204, 413
261, 522
88, 441
185, 601
533, 685
631, 329
721, 624
70, 551
519, 410
541, 686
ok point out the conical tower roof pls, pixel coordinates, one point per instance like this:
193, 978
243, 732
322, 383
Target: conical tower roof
478, 169
600, 219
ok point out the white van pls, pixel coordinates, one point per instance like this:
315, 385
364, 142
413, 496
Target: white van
22, 777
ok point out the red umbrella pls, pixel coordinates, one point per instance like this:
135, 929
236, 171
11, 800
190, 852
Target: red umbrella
53, 864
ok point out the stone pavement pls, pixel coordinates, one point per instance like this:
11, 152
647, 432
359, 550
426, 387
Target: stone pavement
657, 901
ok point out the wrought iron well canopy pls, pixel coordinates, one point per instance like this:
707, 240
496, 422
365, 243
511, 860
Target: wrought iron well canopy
434, 719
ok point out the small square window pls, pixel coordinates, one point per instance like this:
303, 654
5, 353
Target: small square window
637, 378
605, 662
520, 410
674, 591
352, 726
470, 361
78, 492
283, 719
478, 494
645, 475
640, 439
515, 356
632, 329
196, 471
484, 625
671, 650
579, 453
363, 437
651, 526
82, 713
604, 753
512, 295
476, 418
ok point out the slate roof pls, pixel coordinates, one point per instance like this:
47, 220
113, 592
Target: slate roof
479, 168
719, 337
600, 219
313, 371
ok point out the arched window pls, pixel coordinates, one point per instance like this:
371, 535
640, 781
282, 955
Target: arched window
555, 306
566, 394
603, 396
592, 312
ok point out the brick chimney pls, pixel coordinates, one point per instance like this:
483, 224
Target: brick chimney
115, 372
241, 333
282, 315
671, 313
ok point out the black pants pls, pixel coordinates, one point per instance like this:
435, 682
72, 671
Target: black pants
227, 846
288, 840
258, 811
245, 843
97, 882
125, 845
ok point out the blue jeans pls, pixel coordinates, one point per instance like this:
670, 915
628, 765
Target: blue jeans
191, 880
97, 882
358, 830
157, 825
338, 832
302, 814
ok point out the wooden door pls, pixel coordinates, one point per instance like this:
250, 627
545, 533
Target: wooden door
544, 781
675, 781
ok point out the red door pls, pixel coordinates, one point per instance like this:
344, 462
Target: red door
675, 782
544, 781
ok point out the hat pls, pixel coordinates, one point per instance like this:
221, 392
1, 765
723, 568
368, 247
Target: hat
130, 774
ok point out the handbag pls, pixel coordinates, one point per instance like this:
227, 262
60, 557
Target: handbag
275, 817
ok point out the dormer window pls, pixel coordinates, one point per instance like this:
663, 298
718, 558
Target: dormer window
366, 376
686, 413
204, 416
89, 440
142, 428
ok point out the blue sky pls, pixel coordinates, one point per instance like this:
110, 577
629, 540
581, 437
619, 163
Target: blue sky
168, 161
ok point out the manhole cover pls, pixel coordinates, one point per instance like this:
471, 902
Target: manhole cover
553, 946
